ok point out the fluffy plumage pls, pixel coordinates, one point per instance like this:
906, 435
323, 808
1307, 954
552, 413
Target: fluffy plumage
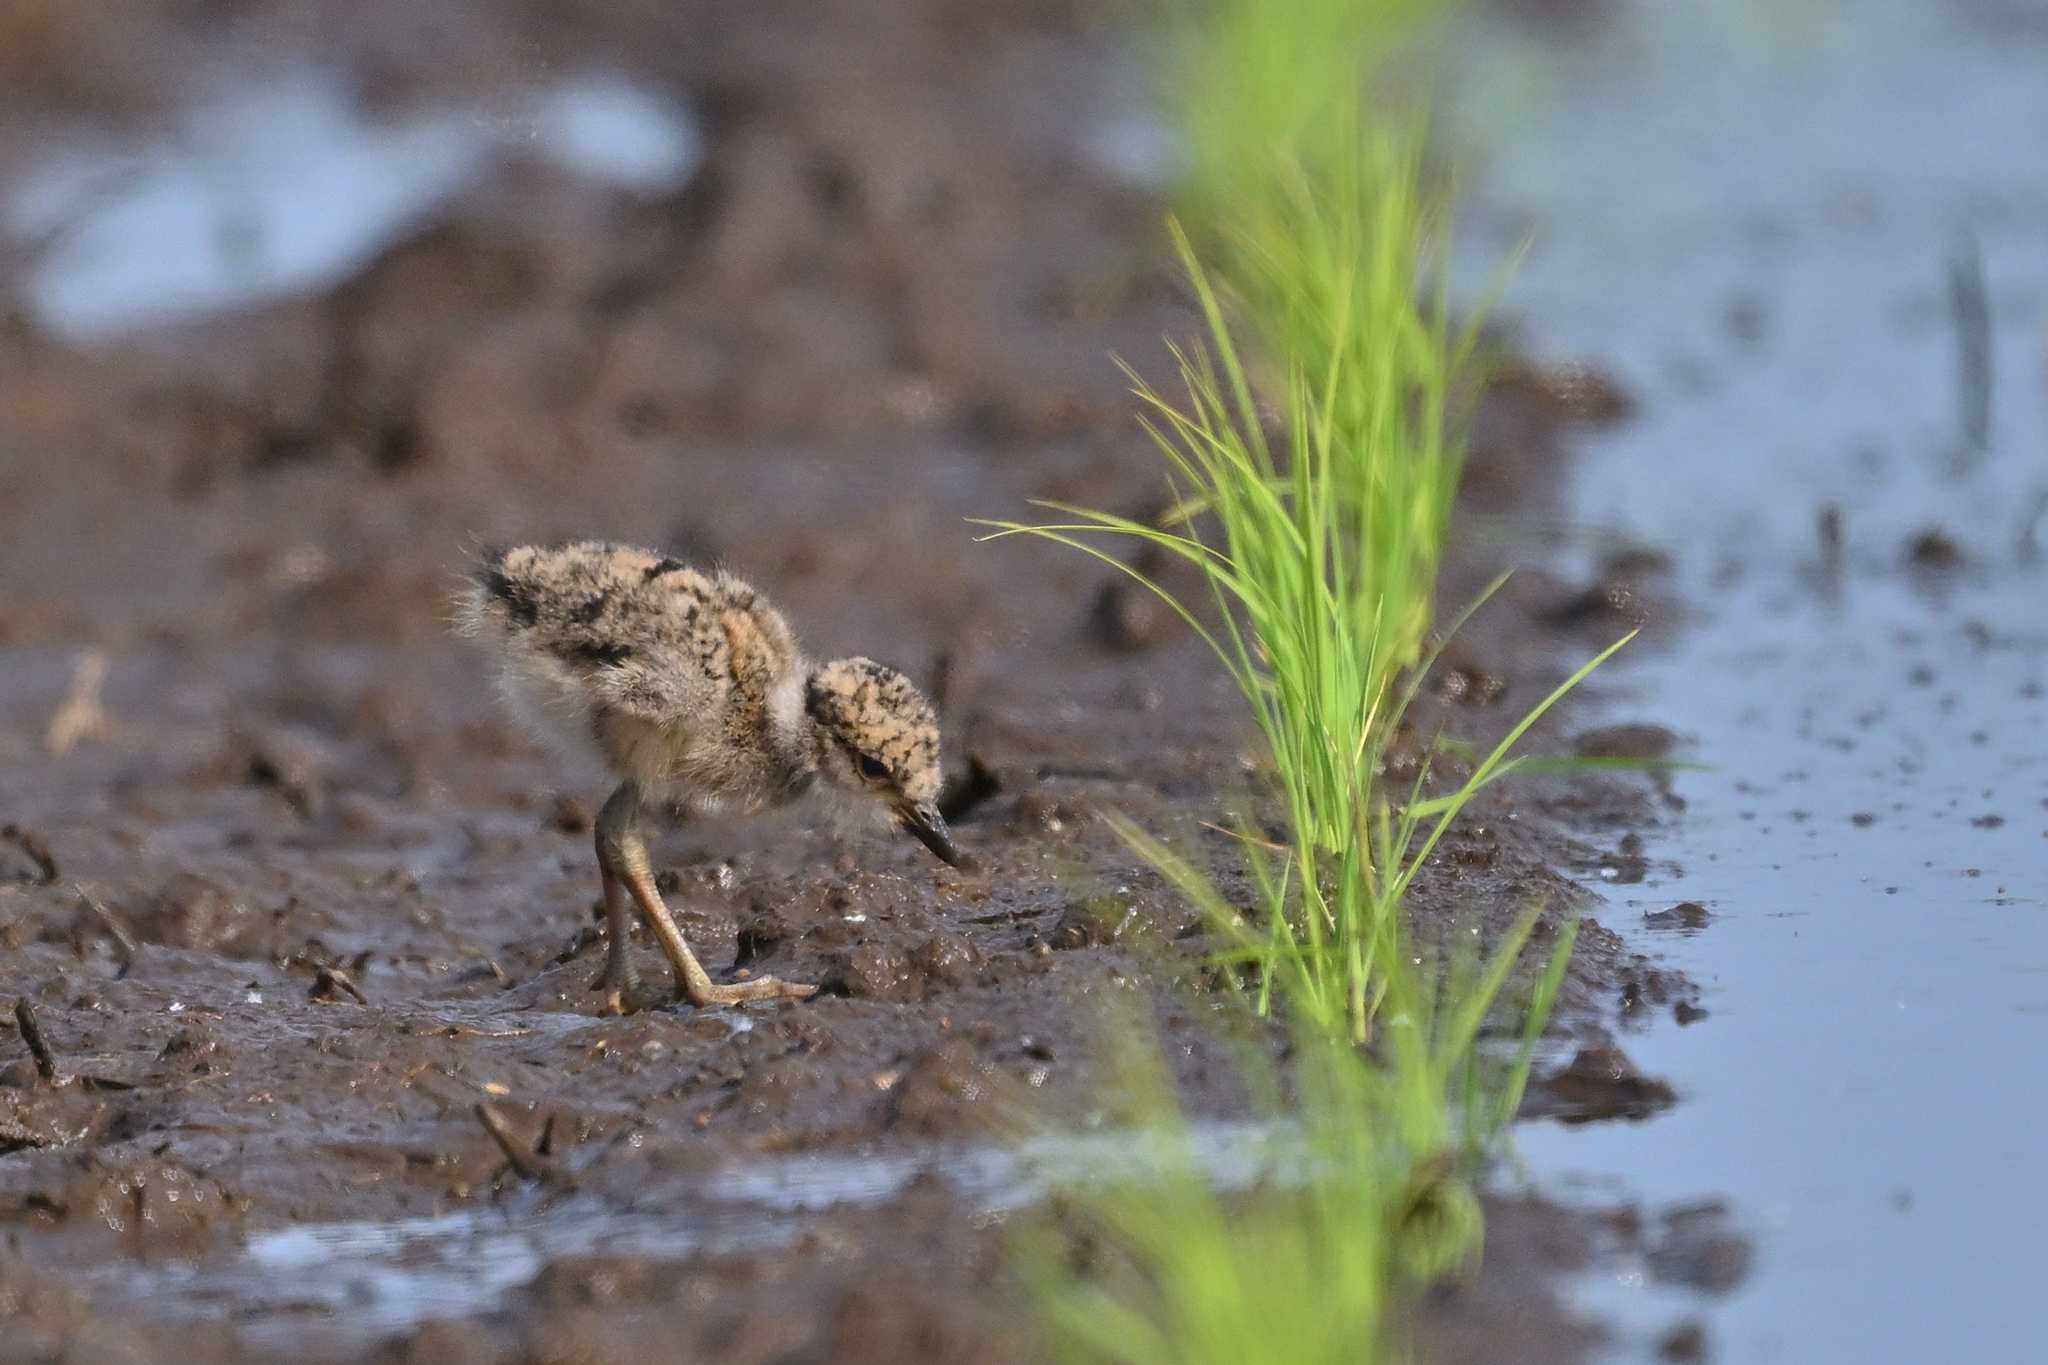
690, 685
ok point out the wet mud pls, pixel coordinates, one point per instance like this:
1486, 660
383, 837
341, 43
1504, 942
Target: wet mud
308, 927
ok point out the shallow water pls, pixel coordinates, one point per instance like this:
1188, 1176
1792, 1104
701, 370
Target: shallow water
370, 1278
289, 185
1760, 232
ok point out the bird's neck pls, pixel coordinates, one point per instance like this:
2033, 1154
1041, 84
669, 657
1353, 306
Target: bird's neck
794, 742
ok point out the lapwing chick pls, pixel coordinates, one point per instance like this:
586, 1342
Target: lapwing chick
691, 689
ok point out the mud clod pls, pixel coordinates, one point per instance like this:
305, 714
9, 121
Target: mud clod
1935, 550
194, 912
1599, 1083
1698, 1248
947, 960
1610, 603
1684, 1344
946, 1092
569, 815
291, 760
1627, 866
875, 972
1684, 917
1469, 685
152, 1207
1094, 921
1640, 742
193, 1041
1578, 392
1127, 617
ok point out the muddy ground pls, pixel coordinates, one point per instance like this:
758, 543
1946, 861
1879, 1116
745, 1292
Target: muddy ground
295, 898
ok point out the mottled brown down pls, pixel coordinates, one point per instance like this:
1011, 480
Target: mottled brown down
691, 686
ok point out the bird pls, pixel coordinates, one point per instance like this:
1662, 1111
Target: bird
691, 690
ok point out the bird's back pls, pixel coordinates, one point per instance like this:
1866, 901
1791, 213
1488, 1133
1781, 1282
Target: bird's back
676, 674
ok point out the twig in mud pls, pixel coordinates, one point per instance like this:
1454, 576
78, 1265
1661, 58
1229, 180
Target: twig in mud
116, 930
330, 983
38, 1046
36, 847
486, 970
80, 715
526, 1163
586, 936
1970, 306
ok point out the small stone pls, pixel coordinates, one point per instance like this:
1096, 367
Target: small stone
1933, 549
570, 815
1686, 916
1094, 921
875, 972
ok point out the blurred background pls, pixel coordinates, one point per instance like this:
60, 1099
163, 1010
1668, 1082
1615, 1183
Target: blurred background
302, 302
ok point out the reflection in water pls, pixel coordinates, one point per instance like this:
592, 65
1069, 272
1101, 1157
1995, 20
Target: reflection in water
291, 186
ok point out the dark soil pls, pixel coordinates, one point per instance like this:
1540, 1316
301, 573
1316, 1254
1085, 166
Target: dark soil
297, 897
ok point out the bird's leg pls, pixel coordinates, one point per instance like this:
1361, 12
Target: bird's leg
623, 855
621, 979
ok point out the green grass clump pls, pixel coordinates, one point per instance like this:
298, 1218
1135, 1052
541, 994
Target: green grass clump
1313, 470
1314, 215
1317, 216
1367, 1200
1158, 1268
1323, 589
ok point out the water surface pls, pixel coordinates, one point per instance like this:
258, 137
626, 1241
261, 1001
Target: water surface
1778, 239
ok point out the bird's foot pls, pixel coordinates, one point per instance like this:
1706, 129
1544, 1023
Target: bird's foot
619, 988
739, 992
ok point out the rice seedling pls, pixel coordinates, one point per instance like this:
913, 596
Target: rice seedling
1312, 472
1364, 1199
1322, 592
1174, 1269
1159, 1267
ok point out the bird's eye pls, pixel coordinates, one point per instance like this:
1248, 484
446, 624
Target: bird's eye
873, 769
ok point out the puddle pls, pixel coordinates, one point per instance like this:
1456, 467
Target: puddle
363, 1280
290, 186
1769, 239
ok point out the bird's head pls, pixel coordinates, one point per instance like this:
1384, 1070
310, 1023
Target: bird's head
876, 737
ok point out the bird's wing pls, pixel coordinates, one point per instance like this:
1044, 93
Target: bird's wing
653, 684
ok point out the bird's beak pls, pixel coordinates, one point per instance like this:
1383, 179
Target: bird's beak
929, 826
